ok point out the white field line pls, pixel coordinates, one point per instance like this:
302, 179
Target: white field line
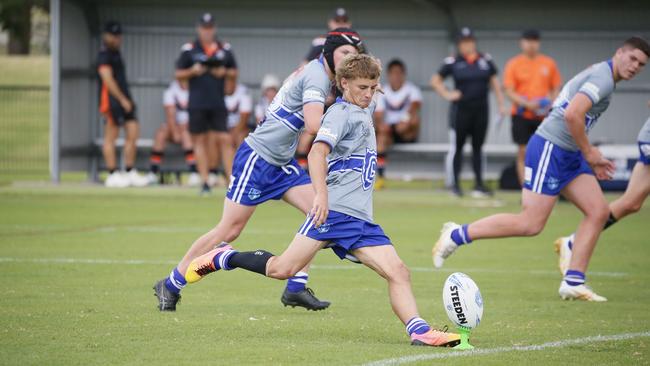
497, 350
334, 267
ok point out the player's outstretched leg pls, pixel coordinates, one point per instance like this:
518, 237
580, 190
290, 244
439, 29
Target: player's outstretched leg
629, 203
384, 260
536, 208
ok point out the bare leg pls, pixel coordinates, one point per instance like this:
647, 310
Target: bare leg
302, 198
111, 131
636, 193
200, 141
227, 151
132, 132
212, 150
385, 261
299, 254
521, 158
233, 221
535, 210
160, 139
586, 194
186, 138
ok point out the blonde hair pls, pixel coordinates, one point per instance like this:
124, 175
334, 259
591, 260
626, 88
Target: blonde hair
359, 66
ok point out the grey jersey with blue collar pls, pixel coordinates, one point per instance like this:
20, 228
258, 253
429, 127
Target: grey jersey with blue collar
276, 139
644, 134
349, 130
597, 83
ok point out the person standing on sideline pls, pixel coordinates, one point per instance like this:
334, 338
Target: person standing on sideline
117, 109
474, 74
270, 86
531, 81
210, 67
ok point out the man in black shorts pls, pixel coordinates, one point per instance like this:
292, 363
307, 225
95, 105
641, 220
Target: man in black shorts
117, 109
210, 67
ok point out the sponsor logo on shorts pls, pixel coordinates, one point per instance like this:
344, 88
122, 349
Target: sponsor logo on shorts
254, 194
645, 150
528, 174
552, 183
325, 227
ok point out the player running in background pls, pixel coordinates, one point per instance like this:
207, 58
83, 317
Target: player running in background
532, 81
240, 107
342, 163
270, 86
210, 67
398, 114
265, 169
560, 159
118, 109
174, 130
629, 203
474, 74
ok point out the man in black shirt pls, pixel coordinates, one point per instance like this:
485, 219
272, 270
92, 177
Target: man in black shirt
474, 74
210, 67
117, 109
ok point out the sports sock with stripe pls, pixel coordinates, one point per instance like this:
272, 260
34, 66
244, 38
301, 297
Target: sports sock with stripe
298, 282
460, 235
417, 325
574, 278
175, 282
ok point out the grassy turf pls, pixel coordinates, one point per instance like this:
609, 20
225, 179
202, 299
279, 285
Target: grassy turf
104, 313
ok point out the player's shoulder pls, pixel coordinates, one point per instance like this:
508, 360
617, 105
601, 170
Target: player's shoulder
226, 46
318, 41
486, 56
338, 112
410, 86
449, 60
188, 46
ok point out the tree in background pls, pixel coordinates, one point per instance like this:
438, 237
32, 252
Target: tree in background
16, 19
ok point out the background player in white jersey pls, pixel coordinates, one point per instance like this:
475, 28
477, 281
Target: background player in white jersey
270, 86
398, 110
265, 169
560, 159
240, 107
342, 163
174, 130
630, 202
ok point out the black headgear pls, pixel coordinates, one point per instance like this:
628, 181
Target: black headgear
337, 38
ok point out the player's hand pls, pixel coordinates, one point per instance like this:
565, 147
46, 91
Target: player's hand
218, 72
198, 69
454, 95
319, 209
603, 168
126, 105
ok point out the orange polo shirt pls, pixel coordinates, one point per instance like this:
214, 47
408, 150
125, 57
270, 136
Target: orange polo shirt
532, 78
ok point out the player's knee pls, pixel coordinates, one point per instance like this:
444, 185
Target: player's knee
280, 272
398, 272
533, 227
599, 213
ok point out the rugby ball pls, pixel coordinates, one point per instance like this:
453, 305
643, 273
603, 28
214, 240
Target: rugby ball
462, 300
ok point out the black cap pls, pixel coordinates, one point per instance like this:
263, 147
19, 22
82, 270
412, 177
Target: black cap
113, 27
206, 20
532, 34
465, 33
340, 14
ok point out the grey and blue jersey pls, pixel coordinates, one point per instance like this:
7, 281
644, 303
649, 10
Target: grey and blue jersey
597, 83
349, 131
644, 134
276, 139
644, 143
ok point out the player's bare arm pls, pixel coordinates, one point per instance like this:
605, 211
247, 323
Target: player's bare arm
437, 83
318, 171
107, 78
495, 84
575, 119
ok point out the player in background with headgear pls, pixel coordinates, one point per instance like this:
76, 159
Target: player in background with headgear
265, 169
174, 129
531, 81
117, 109
269, 86
342, 164
561, 159
398, 114
638, 189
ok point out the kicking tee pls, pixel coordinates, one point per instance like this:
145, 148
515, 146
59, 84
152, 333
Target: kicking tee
276, 138
597, 83
349, 131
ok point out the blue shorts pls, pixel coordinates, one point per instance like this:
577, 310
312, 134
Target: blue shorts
345, 234
549, 168
255, 181
644, 152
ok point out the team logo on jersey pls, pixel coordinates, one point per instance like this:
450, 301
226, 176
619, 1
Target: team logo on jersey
552, 183
254, 194
482, 64
369, 168
325, 227
645, 150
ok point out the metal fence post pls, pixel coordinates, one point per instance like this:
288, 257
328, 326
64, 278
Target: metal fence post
55, 90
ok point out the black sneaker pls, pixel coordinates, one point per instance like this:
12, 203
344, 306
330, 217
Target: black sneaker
205, 190
481, 191
305, 299
457, 191
167, 300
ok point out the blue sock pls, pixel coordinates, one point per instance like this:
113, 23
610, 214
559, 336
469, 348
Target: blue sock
298, 282
221, 260
574, 278
417, 325
460, 236
175, 282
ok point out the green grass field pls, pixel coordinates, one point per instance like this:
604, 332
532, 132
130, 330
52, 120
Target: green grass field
78, 263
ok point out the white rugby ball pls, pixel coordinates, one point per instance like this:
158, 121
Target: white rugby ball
462, 300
